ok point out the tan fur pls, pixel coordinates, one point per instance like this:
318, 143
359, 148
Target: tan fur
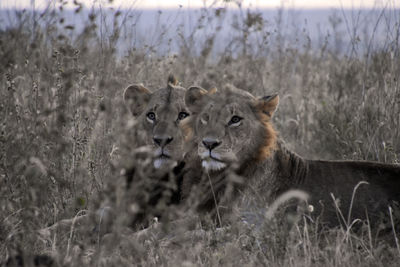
187, 130
266, 107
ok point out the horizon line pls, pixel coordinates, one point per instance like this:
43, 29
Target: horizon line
199, 8
275, 4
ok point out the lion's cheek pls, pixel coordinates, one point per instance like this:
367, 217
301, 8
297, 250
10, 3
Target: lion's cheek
244, 149
145, 132
240, 149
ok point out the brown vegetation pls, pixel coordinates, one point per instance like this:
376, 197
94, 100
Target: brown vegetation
62, 114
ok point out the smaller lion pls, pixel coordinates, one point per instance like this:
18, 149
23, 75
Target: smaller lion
159, 115
159, 136
151, 161
234, 133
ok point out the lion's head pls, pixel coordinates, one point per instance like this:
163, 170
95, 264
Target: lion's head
231, 127
159, 115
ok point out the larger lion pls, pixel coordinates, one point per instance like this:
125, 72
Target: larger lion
233, 129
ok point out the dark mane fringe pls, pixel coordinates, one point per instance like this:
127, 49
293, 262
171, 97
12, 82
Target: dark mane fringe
269, 138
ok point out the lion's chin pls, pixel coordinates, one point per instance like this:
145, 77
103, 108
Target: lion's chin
164, 162
212, 165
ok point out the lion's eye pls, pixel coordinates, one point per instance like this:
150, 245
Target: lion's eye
151, 116
182, 115
235, 121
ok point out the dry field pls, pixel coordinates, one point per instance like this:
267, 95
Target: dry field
62, 117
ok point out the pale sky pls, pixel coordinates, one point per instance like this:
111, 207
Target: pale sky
162, 4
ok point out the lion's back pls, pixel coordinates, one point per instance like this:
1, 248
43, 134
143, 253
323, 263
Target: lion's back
340, 180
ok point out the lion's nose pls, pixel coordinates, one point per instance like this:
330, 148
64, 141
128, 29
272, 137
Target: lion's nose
162, 140
211, 143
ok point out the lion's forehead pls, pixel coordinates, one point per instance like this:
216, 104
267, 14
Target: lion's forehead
168, 100
236, 94
169, 95
170, 111
221, 109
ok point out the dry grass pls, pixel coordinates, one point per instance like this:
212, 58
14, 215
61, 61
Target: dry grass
62, 112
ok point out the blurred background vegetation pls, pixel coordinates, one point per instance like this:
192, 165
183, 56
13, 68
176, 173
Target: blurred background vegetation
62, 73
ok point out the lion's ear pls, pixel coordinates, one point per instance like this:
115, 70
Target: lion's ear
212, 91
172, 80
194, 97
136, 97
268, 104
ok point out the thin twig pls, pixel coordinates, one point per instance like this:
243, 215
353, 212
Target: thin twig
215, 199
352, 200
394, 230
72, 231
